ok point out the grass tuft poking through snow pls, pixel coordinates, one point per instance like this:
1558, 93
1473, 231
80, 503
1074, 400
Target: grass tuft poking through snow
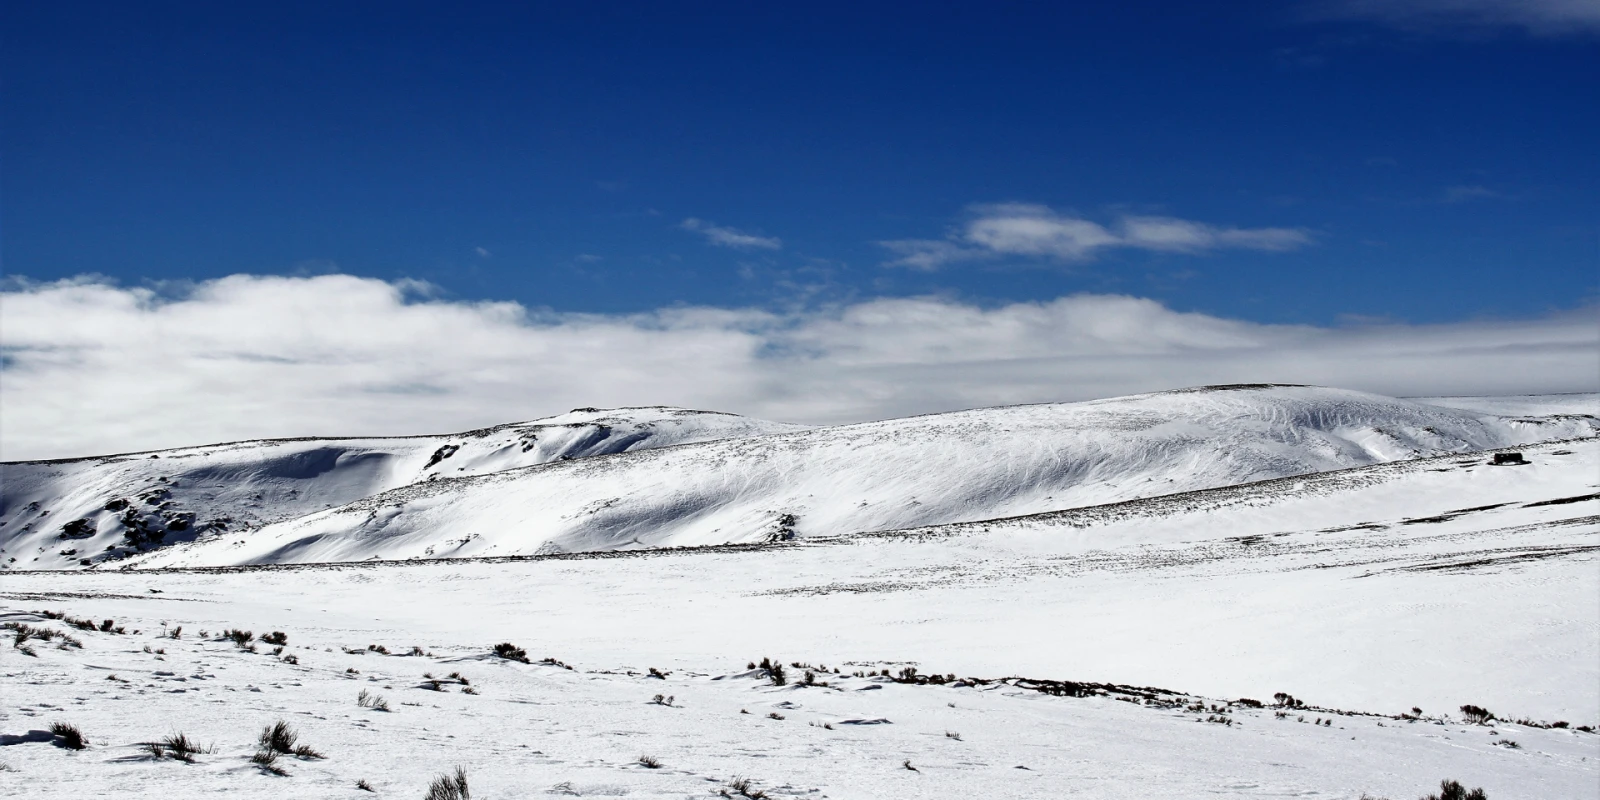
280, 738
267, 760
450, 787
743, 787
179, 746
68, 736
376, 702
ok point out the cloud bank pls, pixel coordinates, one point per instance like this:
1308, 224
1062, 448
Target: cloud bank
1025, 229
92, 368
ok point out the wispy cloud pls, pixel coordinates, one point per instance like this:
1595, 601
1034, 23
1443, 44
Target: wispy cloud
1466, 194
1026, 229
483, 252
91, 367
1538, 17
730, 237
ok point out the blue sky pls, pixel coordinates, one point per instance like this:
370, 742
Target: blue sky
1437, 167
229, 220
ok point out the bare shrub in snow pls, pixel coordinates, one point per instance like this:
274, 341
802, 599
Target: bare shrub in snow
1476, 715
239, 637
774, 670
276, 637
511, 652
449, 787
649, 762
364, 786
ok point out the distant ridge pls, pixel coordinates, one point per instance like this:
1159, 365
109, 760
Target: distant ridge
777, 483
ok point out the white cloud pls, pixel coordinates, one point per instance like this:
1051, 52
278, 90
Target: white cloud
730, 237
1021, 229
1026, 229
482, 252
94, 368
930, 254
1539, 17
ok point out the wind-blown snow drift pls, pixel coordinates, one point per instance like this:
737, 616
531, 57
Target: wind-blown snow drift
927, 470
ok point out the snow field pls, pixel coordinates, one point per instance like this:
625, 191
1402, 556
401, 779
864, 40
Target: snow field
533, 730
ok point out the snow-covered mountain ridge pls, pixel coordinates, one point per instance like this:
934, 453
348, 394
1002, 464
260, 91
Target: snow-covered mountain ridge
928, 470
61, 512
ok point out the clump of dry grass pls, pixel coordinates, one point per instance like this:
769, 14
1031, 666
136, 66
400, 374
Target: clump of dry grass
450, 787
68, 736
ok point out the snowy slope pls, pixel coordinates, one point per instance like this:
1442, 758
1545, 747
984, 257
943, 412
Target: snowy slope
54, 513
1533, 406
933, 469
1432, 583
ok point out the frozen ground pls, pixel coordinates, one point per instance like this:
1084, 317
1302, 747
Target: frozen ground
1433, 583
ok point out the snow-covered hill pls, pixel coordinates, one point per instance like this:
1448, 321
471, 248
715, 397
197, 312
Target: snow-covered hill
1429, 584
56, 514
927, 470
1528, 406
